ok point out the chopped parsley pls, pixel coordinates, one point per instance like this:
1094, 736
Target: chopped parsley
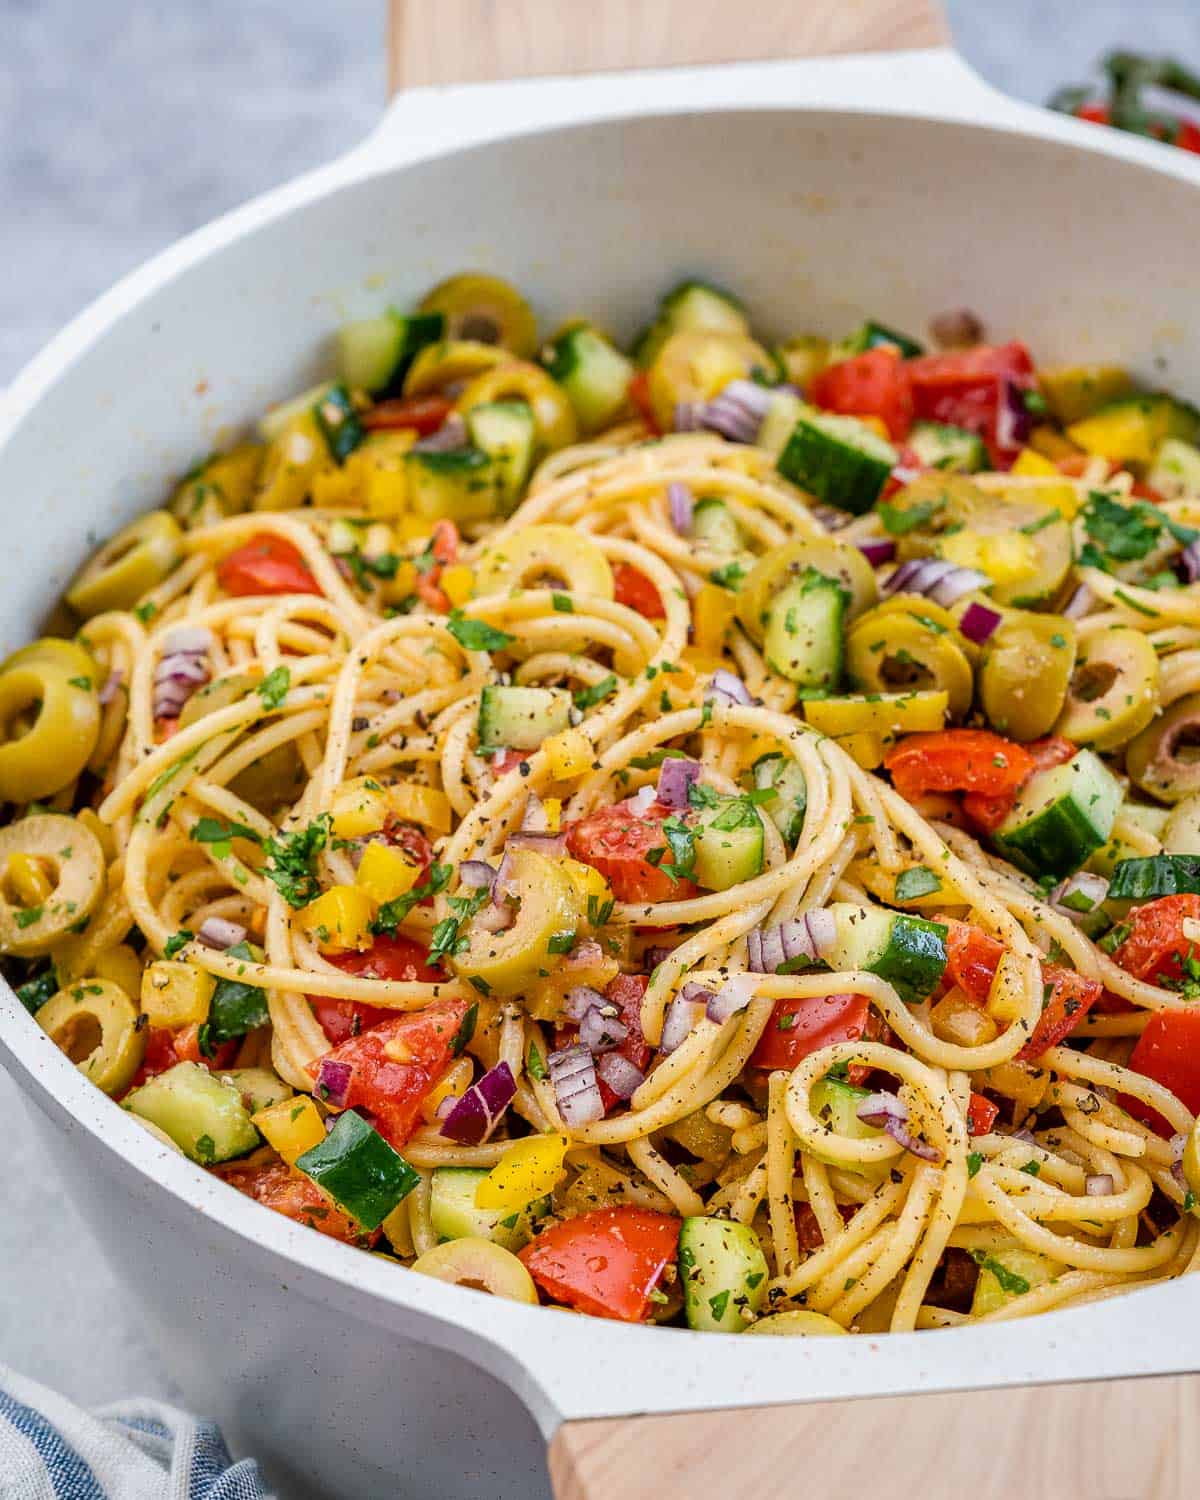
917, 881
217, 835
1125, 533
535, 1063
177, 942
292, 859
563, 604
899, 521
476, 635
273, 689
974, 1162
1010, 1283
588, 697
392, 913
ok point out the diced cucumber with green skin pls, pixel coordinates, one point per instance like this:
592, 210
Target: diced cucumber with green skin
690, 307
713, 522
1061, 816
909, 952
783, 413
940, 446
594, 374
458, 486
728, 844
520, 718
1176, 471
203, 1115
1008, 1273
273, 421
786, 809
1160, 875
871, 336
454, 1216
505, 431
723, 1273
235, 1009
375, 353
803, 639
257, 1088
834, 1102
839, 460
359, 1170
339, 424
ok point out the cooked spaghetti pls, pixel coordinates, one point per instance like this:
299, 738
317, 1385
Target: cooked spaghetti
706, 837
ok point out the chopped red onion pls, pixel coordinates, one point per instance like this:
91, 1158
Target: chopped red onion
830, 517
878, 550
1026, 1137
680, 504
728, 417
682, 1014
734, 995
728, 687
879, 1108
534, 819
750, 396
550, 844
216, 932
481, 1108
802, 937
191, 640
1178, 1143
979, 621
601, 1032
901, 1134
1099, 1185
497, 916
658, 954
1013, 420
622, 1076
576, 1092
181, 669
1079, 603
475, 874
333, 1082
450, 436
1189, 561
1079, 895
675, 779
112, 685
957, 329
688, 416
581, 999
944, 582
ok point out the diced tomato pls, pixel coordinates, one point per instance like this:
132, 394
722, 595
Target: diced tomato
606, 1262
443, 547
616, 841
507, 759
1187, 137
959, 760
988, 813
444, 542
635, 591
265, 565
1169, 1052
639, 394
874, 384
1156, 946
808, 1230
981, 1114
296, 1196
1066, 1000
396, 1063
424, 414
1096, 113
963, 387
165, 1048
1143, 491
626, 992
802, 1025
972, 958
416, 846
386, 958
340, 1019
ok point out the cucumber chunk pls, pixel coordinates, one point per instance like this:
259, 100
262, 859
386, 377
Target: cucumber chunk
258, 1088
458, 486
713, 522
505, 431
1008, 1273
520, 718
691, 307
203, 1115
835, 1103
724, 1274
1176, 471
940, 446
375, 353
1061, 816
594, 374
872, 335
728, 844
783, 413
338, 420
804, 639
909, 952
1160, 875
359, 1170
839, 460
454, 1216
781, 774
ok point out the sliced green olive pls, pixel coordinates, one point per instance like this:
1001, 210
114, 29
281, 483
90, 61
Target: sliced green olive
70, 859
1164, 759
294, 457
136, 560
50, 722
76, 658
548, 555
554, 420
694, 366
826, 555
1181, 834
797, 1321
447, 363
95, 1023
1025, 673
895, 651
548, 907
222, 486
485, 310
1191, 1159
274, 780
1114, 689
1026, 556
481, 1265
932, 504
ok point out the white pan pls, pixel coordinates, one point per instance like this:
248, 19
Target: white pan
893, 185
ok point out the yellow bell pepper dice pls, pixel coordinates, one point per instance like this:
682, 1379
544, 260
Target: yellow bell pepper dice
1030, 464
360, 806
865, 749
335, 488
552, 807
1005, 998
1129, 431
291, 1126
713, 612
413, 803
587, 882
27, 876
527, 1171
176, 994
1074, 392
453, 1084
457, 583
339, 920
1005, 556
122, 966
884, 714
569, 754
385, 874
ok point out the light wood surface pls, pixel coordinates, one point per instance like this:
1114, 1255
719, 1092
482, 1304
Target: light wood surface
470, 41
1105, 1440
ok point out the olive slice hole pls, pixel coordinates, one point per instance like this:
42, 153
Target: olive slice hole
903, 670
479, 328
79, 1037
1092, 680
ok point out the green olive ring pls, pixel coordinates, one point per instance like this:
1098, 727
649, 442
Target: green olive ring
51, 722
72, 655
1025, 674
773, 572
95, 1023
74, 861
136, 560
527, 559
554, 420
1114, 689
439, 365
897, 652
1154, 759
484, 309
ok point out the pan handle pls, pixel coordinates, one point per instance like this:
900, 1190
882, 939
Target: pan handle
469, 41
1039, 1442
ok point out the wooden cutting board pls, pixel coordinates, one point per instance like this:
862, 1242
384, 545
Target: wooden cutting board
1101, 1440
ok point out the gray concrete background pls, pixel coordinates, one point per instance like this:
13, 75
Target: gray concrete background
124, 124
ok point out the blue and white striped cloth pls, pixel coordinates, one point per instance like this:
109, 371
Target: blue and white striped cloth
133, 1450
